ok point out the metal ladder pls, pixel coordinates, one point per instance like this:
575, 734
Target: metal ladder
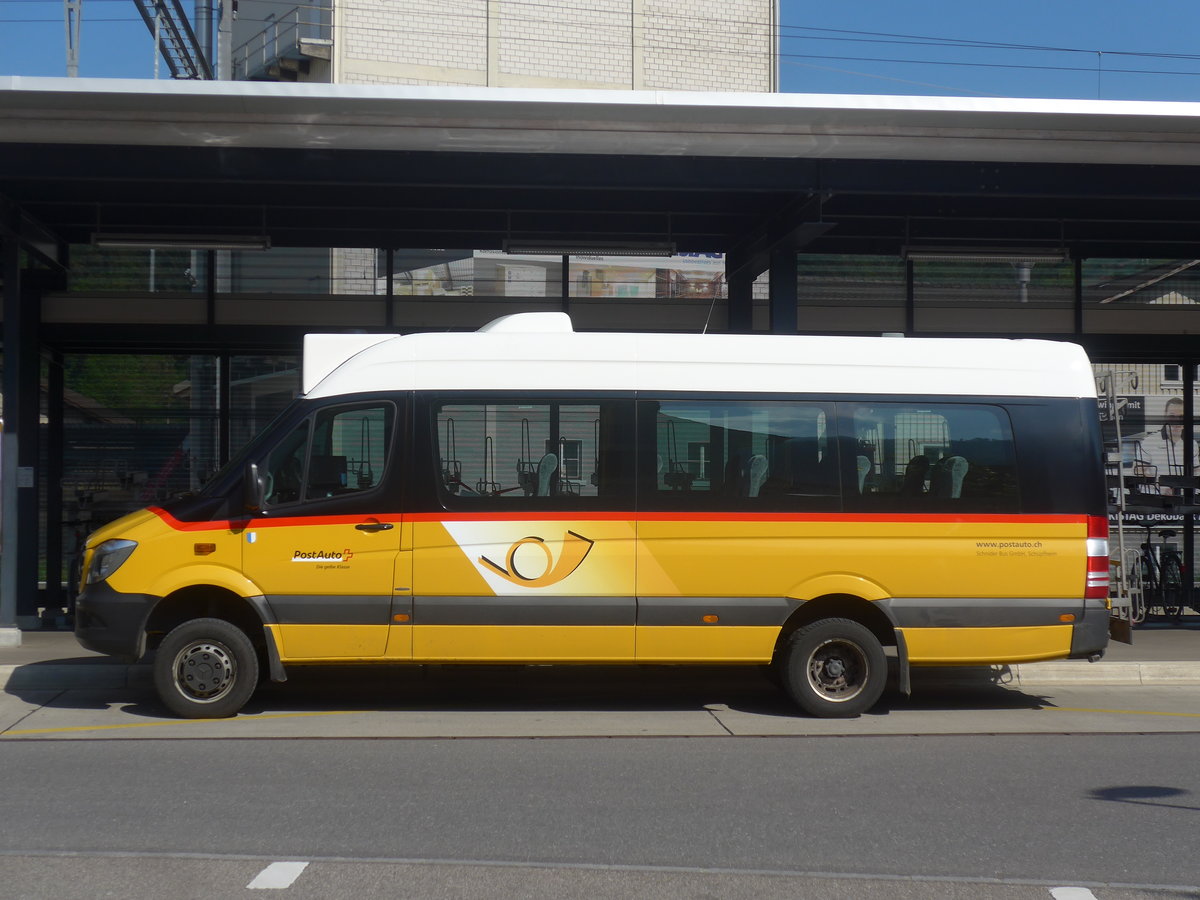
177, 41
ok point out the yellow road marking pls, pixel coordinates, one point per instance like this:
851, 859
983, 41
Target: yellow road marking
1124, 712
65, 730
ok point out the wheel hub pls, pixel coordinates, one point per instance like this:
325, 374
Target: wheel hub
204, 671
837, 671
834, 668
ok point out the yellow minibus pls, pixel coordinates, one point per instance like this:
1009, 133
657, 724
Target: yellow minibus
528, 494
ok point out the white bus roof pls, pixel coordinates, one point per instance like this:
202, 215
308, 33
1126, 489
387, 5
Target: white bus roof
541, 352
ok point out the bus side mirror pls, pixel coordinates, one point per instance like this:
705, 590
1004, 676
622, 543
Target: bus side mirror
254, 490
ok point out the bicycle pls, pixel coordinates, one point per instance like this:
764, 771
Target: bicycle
1162, 575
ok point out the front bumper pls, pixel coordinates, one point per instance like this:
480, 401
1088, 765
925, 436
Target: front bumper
108, 621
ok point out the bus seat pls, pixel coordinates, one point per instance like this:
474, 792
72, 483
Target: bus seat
758, 474
915, 474
735, 477
947, 479
326, 475
864, 469
546, 468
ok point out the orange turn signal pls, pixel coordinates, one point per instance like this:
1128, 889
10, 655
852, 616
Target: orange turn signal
205, 549
1067, 617
710, 619
400, 617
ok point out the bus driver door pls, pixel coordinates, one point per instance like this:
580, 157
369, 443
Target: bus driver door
325, 549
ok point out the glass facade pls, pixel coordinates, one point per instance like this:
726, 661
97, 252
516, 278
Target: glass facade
138, 428
829, 280
1151, 465
1143, 283
952, 283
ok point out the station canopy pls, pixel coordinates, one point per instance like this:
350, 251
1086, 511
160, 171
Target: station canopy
306, 165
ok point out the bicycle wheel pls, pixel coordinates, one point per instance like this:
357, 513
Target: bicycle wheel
1150, 594
1172, 586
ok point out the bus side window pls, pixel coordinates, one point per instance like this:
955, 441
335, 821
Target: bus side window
338, 451
732, 454
534, 453
350, 450
284, 470
936, 457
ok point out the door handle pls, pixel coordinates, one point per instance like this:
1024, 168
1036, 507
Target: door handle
375, 526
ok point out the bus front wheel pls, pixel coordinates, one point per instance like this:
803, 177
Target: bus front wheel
833, 668
205, 669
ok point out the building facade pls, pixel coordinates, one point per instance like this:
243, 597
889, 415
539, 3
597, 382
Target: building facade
696, 45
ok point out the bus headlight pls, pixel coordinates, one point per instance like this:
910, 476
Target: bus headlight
107, 558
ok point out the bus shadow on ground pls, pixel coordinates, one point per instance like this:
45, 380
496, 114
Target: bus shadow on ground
545, 688
580, 689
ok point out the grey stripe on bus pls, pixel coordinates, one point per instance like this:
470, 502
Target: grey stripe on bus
542, 610
981, 612
303, 609
905, 612
560, 610
744, 611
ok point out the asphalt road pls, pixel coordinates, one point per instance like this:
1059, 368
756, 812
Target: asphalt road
905, 815
547, 782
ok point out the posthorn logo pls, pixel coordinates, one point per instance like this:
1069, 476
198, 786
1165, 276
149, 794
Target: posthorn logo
540, 570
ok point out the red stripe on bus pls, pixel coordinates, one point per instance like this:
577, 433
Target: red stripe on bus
1011, 518
267, 522
525, 516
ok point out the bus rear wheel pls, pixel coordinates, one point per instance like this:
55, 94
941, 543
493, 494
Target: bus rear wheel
834, 668
205, 669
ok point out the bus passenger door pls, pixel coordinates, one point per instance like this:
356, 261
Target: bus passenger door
326, 550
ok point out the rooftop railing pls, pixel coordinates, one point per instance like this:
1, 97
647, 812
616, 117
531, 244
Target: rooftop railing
299, 33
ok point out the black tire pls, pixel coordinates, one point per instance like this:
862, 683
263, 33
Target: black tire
205, 669
1172, 587
833, 669
1152, 594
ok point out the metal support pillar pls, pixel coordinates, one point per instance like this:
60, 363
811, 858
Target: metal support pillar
18, 467
203, 28
784, 293
565, 282
210, 287
29, 374
1078, 298
1189, 495
72, 15
10, 636
389, 313
910, 299
224, 69
741, 293
56, 599
224, 406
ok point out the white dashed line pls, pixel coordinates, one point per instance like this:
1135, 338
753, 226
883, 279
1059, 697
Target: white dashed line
1072, 893
280, 875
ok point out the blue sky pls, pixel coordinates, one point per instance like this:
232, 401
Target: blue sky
1090, 49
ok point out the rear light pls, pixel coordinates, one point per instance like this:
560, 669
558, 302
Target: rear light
1097, 559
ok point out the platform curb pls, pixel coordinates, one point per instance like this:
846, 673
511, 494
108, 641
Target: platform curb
1112, 673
